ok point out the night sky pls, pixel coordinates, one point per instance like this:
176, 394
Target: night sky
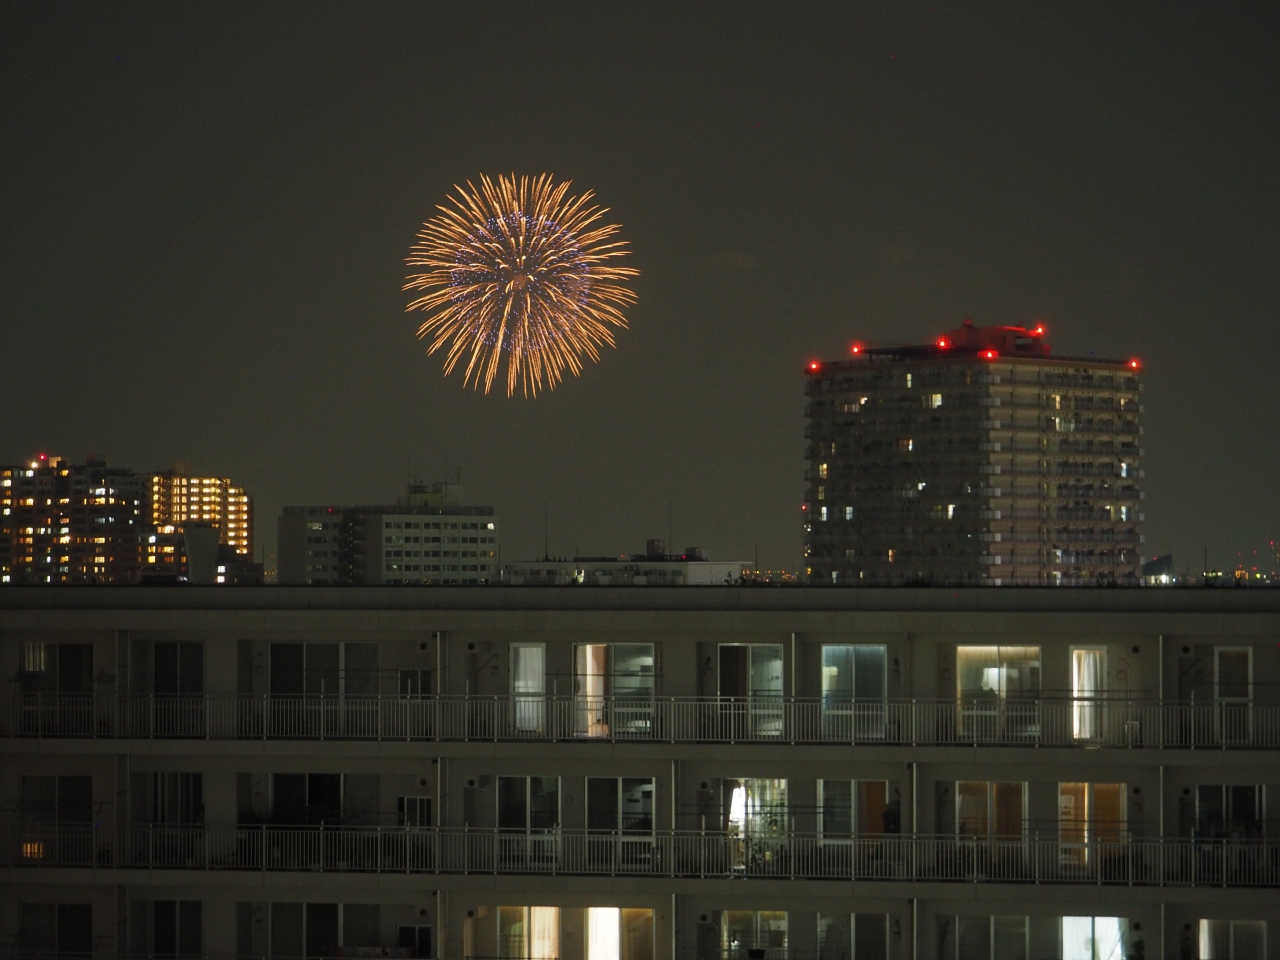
206, 213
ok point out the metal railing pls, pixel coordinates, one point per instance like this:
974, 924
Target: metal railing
1031, 722
665, 854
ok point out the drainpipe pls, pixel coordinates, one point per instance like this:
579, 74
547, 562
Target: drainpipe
915, 928
1160, 685
673, 927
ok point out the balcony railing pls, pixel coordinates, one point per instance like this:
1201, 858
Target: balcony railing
663, 854
1034, 722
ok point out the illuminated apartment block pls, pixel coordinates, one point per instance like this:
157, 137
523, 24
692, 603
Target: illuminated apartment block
980, 458
69, 523
176, 496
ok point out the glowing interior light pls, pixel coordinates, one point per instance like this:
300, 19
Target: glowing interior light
943, 343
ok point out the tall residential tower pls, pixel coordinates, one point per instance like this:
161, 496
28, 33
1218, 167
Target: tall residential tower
980, 458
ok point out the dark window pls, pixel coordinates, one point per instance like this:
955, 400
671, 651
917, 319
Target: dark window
179, 669
177, 928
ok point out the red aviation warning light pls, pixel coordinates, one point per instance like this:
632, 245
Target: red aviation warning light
814, 366
988, 354
1039, 330
857, 348
943, 343
1134, 364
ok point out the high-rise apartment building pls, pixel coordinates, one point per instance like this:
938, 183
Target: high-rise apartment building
177, 496
981, 458
640, 774
70, 523
430, 538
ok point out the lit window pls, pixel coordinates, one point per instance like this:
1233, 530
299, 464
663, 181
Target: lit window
1095, 938
951, 511
935, 400
822, 470
906, 445
822, 491
848, 513
822, 514
891, 555
908, 381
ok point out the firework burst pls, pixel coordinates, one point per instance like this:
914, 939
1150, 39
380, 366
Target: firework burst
518, 267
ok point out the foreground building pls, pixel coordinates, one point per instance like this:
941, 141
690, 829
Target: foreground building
432, 537
612, 773
981, 458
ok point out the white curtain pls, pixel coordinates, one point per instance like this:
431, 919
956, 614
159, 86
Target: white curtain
590, 667
528, 683
1094, 938
604, 933
544, 933
1088, 682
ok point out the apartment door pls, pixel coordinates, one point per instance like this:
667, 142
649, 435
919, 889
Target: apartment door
1233, 939
1088, 692
529, 933
854, 685
57, 819
417, 939
529, 687
1092, 823
998, 692
855, 808
756, 822
528, 819
620, 822
992, 938
1094, 938
177, 928
613, 686
1233, 693
619, 934
751, 690
753, 933
178, 706
55, 929
1229, 811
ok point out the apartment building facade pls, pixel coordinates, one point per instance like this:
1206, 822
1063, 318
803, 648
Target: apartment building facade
431, 537
980, 458
610, 773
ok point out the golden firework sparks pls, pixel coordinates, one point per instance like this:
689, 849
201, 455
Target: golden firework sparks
518, 267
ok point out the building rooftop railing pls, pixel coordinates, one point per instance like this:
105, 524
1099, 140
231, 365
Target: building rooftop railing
660, 854
1039, 722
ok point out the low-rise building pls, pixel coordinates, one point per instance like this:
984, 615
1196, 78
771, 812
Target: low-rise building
429, 538
654, 567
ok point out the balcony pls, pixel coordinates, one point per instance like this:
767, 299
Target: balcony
663, 854
1043, 722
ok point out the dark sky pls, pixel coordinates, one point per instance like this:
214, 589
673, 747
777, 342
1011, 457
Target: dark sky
206, 212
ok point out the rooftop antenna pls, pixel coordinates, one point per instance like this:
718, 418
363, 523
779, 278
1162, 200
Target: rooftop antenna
546, 538
671, 544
